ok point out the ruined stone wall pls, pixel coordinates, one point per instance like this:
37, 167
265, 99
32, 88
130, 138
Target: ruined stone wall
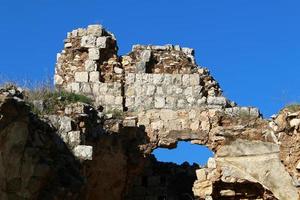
91, 152
89, 65
168, 91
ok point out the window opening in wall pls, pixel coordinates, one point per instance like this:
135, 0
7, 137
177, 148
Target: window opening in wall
184, 152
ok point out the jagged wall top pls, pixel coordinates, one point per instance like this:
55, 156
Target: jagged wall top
162, 76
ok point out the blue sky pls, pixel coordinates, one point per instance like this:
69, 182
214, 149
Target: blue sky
252, 47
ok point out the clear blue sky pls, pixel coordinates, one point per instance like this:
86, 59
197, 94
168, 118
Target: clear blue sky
252, 47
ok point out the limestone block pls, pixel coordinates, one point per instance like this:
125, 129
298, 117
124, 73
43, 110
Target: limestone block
65, 124
150, 90
109, 99
90, 65
138, 79
81, 32
159, 91
95, 30
74, 138
188, 51
170, 102
158, 79
177, 79
146, 55
203, 188
101, 42
68, 45
130, 122
58, 80
81, 76
96, 88
159, 102
170, 89
145, 78
75, 87
140, 67
192, 114
118, 100
157, 125
185, 79
197, 90
191, 100
103, 88
168, 114
167, 79
201, 174
211, 163
201, 101
173, 125
86, 88
83, 152
148, 102
129, 101
130, 91
118, 87
194, 125
88, 41
118, 70
181, 103
244, 111
130, 79
194, 79
94, 77
178, 90
217, 101
94, 54
188, 91
254, 112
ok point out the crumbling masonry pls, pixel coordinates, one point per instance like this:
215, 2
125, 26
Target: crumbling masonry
152, 97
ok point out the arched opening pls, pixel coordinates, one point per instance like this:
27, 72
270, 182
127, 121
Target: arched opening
184, 152
170, 173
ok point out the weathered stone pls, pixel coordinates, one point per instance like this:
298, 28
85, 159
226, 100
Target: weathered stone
58, 80
90, 65
211, 163
217, 101
88, 41
94, 77
101, 42
130, 122
83, 152
159, 102
118, 70
95, 29
81, 76
157, 125
65, 124
227, 193
201, 174
75, 87
74, 138
94, 54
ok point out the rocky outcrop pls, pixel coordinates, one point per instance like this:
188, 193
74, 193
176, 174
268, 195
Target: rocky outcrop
152, 97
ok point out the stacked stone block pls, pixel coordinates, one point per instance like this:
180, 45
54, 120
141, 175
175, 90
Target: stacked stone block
160, 59
168, 91
89, 65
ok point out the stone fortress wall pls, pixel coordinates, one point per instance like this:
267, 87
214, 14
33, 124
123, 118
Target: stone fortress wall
161, 90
